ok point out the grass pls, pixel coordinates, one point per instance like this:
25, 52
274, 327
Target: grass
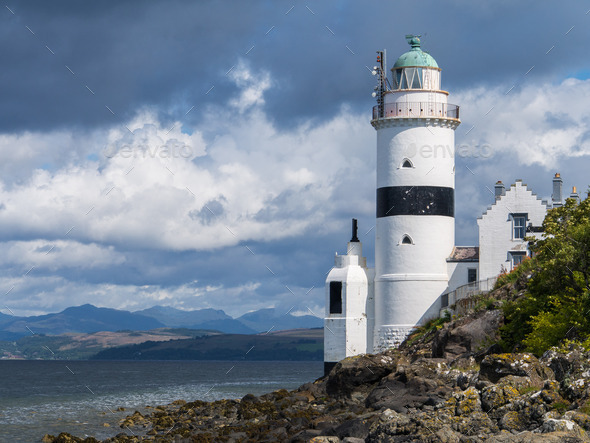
527, 390
429, 327
585, 409
560, 406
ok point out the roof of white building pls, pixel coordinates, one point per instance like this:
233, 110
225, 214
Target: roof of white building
464, 253
511, 188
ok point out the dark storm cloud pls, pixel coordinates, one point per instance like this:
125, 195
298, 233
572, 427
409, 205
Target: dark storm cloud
168, 54
130, 54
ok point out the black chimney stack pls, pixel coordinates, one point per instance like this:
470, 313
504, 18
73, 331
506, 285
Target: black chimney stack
355, 230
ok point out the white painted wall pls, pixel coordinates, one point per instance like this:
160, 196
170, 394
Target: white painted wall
430, 149
458, 273
496, 229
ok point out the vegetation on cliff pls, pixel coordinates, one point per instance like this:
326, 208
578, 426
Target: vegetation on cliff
555, 306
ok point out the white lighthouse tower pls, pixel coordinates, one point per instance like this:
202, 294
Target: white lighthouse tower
415, 228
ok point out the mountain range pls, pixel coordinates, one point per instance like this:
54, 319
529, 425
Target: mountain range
88, 319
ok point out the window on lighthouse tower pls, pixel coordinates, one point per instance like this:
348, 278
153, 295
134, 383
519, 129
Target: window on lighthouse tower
406, 240
407, 164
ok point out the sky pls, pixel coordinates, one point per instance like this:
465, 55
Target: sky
211, 154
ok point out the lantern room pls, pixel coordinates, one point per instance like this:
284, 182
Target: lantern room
416, 69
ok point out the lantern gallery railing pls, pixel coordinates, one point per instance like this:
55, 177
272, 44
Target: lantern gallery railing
416, 109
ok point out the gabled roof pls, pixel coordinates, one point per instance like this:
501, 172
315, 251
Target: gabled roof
513, 186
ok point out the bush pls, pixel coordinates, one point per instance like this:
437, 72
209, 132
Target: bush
556, 305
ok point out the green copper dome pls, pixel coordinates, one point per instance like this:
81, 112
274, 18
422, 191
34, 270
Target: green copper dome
415, 56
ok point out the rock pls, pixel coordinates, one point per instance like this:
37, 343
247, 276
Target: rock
568, 365
445, 435
468, 402
467, 337
550, 394
513, 421
360, 371
494, 397
393, 394
424, 382
305, 436
356, 427
565, 426
583, 420
353, 440
496, 366
325, 439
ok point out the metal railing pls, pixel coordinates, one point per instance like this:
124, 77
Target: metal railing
417, 109
465, 291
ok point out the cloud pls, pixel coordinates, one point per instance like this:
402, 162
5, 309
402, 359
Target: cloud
159, 188
252, 87
54, 255
538, 123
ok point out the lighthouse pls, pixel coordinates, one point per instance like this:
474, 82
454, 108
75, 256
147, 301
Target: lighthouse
416, 260
415, 226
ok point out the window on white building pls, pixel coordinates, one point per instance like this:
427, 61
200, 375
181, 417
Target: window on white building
407, 164
517, 257
519, 226
471, 275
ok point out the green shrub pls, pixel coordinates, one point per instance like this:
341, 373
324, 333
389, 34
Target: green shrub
556, 304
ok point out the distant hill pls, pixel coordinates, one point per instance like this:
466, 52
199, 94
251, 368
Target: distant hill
175, 318
265, 319
296, 345
86, 318
197, 319
74, 346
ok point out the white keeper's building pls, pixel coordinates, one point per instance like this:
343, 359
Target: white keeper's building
417, 264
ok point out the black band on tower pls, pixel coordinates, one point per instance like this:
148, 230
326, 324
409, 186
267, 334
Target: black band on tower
415, 200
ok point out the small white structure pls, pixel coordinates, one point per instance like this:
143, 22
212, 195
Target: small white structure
418, 269
349, 304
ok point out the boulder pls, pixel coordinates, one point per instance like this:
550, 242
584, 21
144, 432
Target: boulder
467, 337
496, 366
494, 396
358, 372
357, 427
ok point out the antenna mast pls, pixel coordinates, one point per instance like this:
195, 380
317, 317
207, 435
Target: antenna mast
381, 88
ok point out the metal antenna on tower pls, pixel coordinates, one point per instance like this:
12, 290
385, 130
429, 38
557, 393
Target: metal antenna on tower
382, 83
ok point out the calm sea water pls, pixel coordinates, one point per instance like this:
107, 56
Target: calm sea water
39, 397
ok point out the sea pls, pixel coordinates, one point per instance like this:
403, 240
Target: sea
84, 398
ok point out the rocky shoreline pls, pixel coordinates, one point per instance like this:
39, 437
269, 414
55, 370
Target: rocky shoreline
446, 384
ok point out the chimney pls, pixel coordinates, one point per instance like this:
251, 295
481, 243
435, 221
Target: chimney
499, 189
355, 231
556, 197
575, 195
